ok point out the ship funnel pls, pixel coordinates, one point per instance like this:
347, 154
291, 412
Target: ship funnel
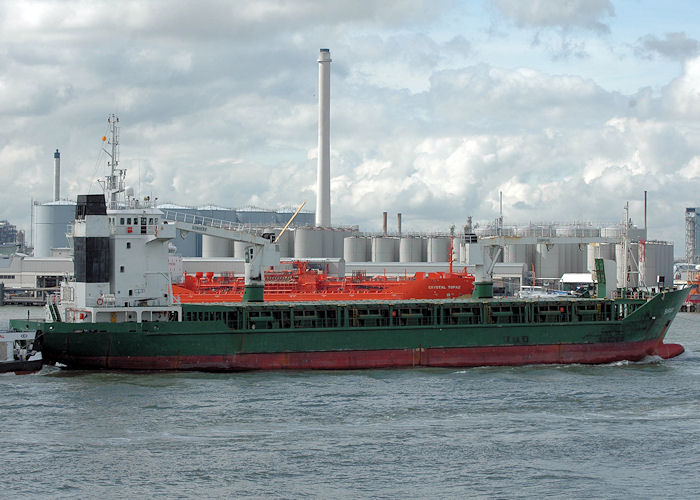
56, 176
323, 181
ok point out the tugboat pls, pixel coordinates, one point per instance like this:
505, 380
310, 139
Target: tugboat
19, 353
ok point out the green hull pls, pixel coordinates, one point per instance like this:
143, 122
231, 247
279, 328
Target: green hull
369, 335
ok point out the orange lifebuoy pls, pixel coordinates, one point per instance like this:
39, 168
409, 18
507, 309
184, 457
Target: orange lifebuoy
99, 301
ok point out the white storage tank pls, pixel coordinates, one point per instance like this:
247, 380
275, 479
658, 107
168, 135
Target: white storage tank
384, 249
520, 253
51, 225
548, 257
239, 249
658, 262
599, 251
308, 243
355, 249
438, 249
339, 236
631, 267
573, 257
410, 249
611, 232
216, 247
286, 242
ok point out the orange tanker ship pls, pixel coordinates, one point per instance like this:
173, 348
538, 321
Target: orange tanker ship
303, 284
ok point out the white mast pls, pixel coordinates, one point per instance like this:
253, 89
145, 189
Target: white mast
113, 184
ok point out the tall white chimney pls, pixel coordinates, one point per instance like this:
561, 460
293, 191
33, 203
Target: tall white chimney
323, 181
56, 176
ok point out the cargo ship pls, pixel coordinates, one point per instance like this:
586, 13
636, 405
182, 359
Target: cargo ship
119, 313
304, 284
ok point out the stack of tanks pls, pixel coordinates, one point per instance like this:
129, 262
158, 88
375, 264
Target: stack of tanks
50, 223
547, 251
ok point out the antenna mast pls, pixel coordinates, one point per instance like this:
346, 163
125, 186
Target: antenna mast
114, 182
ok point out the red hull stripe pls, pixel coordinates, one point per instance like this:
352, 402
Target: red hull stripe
393, 358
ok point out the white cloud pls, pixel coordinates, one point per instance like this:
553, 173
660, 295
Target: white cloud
219, 106
676, 46
586, 14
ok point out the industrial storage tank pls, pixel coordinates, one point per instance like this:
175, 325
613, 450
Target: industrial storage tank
328, 239
216, 247
51, 225
339, 236
384, 249
286, 242
438, 249
410, 249
611, 232
308, 242
520, 253
355, 249
211, 245
631, 266
239, 249
573, 257
547, 259
577, 231
657, 259
599, 251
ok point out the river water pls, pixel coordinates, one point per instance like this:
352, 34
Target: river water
621, 430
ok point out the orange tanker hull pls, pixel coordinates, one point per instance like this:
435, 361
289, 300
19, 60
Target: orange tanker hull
302, 284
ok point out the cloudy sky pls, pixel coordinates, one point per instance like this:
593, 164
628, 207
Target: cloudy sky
570, 108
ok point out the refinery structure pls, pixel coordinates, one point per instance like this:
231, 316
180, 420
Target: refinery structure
532, 254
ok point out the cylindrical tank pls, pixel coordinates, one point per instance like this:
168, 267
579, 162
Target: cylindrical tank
286, 242
355, 249
308, 243
339, 236
520, 253
572, 257
631, 267
216, 247
599, 251
438, 249
327, 241
611, 232
547, 261
239, 249
410, 249
51, 225
383, 249
658, 262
